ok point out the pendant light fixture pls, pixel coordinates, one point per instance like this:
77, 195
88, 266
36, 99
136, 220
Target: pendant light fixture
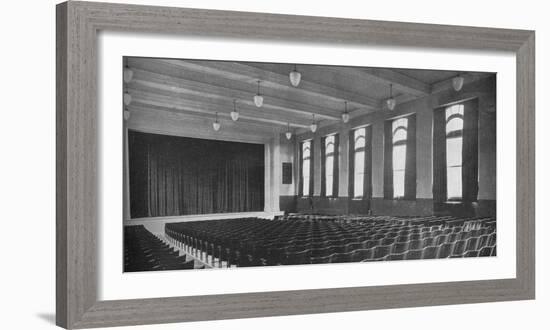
126, 114
127, 98
345, 114
295, 77
288, 133
458, 82
391, 101
216, 124
234, 113
258, 98
128, 74
313, 126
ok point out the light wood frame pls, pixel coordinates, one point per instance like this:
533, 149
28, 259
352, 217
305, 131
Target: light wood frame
77, 150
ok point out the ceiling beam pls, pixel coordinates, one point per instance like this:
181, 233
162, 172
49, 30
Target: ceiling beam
468, 78
277, 81
401, 82
164, 82
214, 105
194, 109
162, 120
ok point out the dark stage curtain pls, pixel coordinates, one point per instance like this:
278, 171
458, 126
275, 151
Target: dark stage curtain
172, 176
410, 164
336, 166
388, 163
439, 157
367, 178
323, 167
470, 151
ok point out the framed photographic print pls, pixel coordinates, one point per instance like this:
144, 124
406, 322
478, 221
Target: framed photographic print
316, 164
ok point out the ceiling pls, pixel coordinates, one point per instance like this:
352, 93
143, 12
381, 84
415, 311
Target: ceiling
202, 88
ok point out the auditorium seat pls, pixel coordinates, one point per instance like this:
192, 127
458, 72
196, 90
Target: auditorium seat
429, 252
444, 250
413, 254
458, 249
471, 253
381, 251
362, 255
143, 251
415, 244
485, 251
303, 239
398, 248
396, 256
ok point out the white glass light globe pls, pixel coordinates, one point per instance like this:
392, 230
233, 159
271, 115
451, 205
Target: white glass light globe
345, 117
234, 115
258, 100
216, 126
458, 82
127, 98
128, 75
126, 114
295, 77
288, 135
313, 127
391, 103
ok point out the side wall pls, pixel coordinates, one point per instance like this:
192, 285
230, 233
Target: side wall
484, 90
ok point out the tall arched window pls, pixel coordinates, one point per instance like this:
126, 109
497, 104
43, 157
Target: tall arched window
306, 159
329, 164
454, 124
359, 161
399, 156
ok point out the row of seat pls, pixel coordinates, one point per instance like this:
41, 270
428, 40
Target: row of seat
254, 242
143, 251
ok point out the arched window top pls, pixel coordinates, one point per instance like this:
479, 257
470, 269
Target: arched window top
360, 142
454, 116
399, 129
329, 144
329, 148
454, 124
457, 109
359, 138
306, 149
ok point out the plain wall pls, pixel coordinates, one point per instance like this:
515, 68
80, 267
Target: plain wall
27, 137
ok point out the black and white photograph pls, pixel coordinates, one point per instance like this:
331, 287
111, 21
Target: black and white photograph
247, 164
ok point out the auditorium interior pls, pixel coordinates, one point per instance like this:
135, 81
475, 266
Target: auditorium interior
238, 164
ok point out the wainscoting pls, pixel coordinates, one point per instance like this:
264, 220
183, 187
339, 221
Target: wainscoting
481, 208
156, 225
287, 204
327, 205
420, 207
380, 206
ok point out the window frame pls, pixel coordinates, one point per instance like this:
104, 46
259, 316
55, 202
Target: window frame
356, 150
305, 194
454, 134
329, 174
396, 128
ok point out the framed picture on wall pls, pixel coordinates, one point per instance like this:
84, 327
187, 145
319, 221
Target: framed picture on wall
287, 172
413, 165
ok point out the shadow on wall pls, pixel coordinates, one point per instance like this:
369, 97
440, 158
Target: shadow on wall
47, 317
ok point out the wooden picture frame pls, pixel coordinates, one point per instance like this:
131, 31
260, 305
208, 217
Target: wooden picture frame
77, 152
